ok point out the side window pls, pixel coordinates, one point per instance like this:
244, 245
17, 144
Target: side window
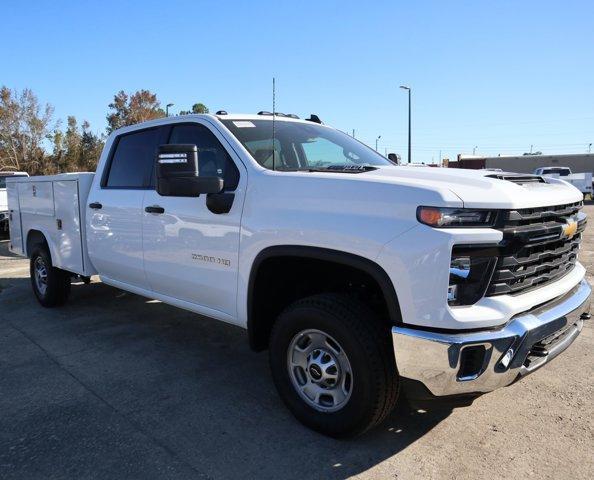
213, 159
132, 160
262, 152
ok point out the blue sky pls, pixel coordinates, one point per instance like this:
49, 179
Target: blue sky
498, 75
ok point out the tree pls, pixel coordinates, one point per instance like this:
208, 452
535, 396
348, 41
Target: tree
199, 108
72, 147
131, 109
91, 147
57, 139
24, 125
78, 149
196, 108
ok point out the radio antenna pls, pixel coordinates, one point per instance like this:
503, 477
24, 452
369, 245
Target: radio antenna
273, 115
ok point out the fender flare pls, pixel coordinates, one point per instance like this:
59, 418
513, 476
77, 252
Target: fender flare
336, 256
51, 247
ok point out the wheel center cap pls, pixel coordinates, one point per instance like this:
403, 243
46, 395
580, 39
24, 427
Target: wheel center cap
315, 371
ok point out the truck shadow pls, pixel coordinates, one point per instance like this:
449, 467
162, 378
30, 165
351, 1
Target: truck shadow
189, 383
4, 252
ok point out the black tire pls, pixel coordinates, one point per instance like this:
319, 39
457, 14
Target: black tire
368, 346
57, 284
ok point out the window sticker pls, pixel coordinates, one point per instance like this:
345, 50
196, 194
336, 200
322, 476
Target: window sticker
244, 124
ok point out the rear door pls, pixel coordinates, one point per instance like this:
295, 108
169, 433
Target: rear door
191, 252
114, 210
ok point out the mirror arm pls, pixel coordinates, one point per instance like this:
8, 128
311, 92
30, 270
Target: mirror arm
220, 202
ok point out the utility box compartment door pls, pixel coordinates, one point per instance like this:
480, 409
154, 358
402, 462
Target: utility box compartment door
37, 198
67, 231
14, 219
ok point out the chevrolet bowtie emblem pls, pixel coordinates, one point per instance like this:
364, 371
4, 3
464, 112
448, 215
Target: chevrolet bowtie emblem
569, 229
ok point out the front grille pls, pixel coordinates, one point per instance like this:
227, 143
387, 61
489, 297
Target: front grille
535, 249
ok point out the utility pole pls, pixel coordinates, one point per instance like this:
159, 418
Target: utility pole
353, 133
409, 149
167, 109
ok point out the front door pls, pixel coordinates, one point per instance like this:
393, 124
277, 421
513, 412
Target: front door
114, 208
190, 252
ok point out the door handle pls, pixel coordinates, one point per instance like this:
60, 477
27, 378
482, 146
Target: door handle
154, 209
95, 205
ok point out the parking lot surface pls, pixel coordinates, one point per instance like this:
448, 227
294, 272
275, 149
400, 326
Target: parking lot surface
114, 385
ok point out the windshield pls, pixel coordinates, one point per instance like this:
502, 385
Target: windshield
301, 146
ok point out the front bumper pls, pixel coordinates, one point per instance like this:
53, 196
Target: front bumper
477, 362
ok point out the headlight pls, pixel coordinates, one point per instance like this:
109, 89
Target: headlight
440, 217
470, 273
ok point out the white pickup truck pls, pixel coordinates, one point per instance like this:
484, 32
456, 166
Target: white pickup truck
4, 213
581, 181
363, 279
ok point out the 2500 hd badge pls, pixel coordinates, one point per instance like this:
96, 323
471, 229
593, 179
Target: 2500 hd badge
209, 259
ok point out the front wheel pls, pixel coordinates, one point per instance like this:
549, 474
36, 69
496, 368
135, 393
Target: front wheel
50, 284
333, 364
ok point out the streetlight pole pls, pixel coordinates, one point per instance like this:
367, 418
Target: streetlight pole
590, 148
376, 140
408, 89
474, 150
167, 109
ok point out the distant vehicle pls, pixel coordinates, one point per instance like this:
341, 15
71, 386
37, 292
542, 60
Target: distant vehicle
561, 171
4, 213
581, 181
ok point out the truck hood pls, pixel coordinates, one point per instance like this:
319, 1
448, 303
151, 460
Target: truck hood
483, 188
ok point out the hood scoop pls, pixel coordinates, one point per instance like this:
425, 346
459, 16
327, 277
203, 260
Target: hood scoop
518, 179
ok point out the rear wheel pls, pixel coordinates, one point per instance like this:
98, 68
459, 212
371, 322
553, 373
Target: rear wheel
333, 365
50, 284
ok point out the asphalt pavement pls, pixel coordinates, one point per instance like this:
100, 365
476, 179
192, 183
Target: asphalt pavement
117, 386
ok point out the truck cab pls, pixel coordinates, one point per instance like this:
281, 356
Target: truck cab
364, 280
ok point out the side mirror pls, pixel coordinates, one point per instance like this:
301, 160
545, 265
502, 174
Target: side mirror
178, 174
